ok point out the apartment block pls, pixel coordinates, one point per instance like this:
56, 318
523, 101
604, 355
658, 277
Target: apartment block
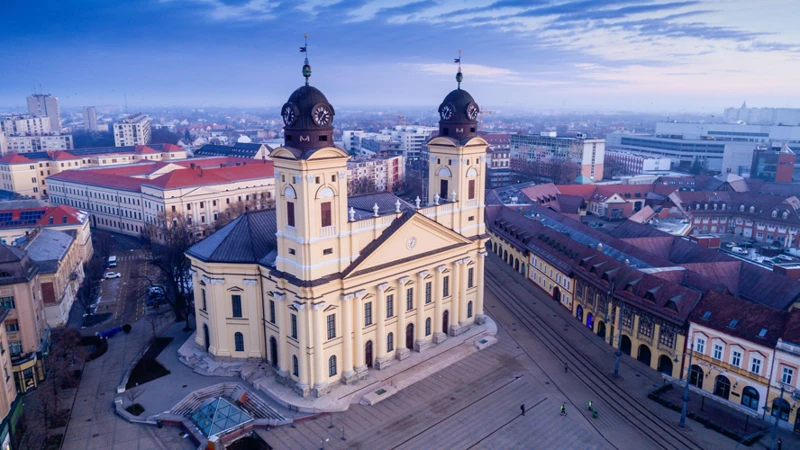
132, 130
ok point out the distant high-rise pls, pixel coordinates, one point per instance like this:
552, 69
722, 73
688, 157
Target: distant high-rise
46, 105
132, 130
89, 118
763, 116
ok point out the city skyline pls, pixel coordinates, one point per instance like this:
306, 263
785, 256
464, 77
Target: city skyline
635, 55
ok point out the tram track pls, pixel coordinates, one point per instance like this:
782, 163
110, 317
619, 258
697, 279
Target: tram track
602, 386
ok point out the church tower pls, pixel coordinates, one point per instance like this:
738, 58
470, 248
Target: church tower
310, 186
457, 166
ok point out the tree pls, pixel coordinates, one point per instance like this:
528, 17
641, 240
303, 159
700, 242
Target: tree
361, 185
170, 237
187, 138
163, 136
252, 202
614, 167
103, 244
86, 139
699, 166
90, 289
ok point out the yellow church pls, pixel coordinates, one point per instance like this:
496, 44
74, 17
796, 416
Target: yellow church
326, 288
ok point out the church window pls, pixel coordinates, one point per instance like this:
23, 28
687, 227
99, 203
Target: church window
389, 306
470, 277
446, 287
428, 292
238, 339
471, 190
409, 299
203, 294
390, 342
367, 314
291, 251
316, 180
428, 326
236, 305
272, 311
331, 326
469, 309
325, 214
332, 366
327, 251
294, 326
295, 366
290, 214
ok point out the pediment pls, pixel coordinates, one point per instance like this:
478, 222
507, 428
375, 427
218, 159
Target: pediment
417, 237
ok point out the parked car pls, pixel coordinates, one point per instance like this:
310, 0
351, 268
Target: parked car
730, 244
739, 250
784, 258
113, 275
155, 295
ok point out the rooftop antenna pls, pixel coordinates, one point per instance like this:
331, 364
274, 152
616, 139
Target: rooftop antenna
459, 75
306, 66
125, 96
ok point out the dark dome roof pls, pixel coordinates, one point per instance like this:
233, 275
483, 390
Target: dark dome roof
304, 99
459, 125
303, 133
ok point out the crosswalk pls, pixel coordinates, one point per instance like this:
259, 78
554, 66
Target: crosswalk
134, 257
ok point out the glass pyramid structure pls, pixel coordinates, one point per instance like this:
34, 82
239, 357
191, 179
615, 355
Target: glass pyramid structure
218, 415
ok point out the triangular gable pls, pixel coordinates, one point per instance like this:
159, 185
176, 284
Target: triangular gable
417, 235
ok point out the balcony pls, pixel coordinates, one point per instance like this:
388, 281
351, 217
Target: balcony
327, 231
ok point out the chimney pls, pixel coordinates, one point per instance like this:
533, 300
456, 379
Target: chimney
201, 172
192, 165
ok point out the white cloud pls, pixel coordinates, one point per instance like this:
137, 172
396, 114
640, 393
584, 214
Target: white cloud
248, 11
484, 74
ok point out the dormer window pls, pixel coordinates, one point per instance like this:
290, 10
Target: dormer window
741, 208
733, 323
715, 206
707, 315
705, 206
752, 209
774, 213
785, 215
762, 333
697, 206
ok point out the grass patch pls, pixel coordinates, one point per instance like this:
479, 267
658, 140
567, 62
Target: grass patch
135, 409
148, 369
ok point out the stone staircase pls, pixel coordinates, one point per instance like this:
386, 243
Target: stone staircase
432, 366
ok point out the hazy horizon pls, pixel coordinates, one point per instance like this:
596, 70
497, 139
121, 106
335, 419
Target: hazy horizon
582, 55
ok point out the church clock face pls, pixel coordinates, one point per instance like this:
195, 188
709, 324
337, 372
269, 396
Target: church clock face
446, 111
289, 114
472, 111
322, 115
411, 242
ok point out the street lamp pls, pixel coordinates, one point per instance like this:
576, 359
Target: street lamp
618, 353
686, 385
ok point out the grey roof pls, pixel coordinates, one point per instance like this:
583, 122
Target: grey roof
242, 150
23, 204
48, 248
15, 266
249, 238
363, 204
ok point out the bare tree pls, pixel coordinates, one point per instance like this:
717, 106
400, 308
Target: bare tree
90, 289
361, 185
134, 393
614, 167
173, 268
251, 202
103, 244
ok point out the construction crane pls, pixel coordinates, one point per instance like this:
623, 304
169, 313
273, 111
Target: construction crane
401, 119
482, 113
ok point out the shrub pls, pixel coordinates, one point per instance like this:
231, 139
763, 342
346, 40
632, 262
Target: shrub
126, 328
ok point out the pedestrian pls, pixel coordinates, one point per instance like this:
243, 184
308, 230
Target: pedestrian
563, 409
522, 407
566, 367
780, 443
590, 405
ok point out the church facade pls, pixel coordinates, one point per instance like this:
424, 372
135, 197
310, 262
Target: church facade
326, 287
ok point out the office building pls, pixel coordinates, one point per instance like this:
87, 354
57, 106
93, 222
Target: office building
630, 164
125, 199
411, 139
46, 105
25, 124
25, 173
770, 135
547, 149
763, 116
27, 144
90, 118
773, 165
239, 150
132, 130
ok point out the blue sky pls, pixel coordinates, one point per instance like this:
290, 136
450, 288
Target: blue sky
648, 55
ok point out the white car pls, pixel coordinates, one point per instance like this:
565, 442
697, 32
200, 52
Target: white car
730, 244
113, 275
739, 250
785, 258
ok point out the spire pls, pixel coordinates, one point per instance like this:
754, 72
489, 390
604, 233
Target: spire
459, 75
306, 66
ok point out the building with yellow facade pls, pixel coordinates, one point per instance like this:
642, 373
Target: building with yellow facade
327, 287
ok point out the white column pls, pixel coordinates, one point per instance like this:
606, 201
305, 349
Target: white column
438, 293
380, 340
419, 345
360, 363
283, 325
455, 299
480, 317
402, 352
462, 295
347, 338
319, 354
302, 352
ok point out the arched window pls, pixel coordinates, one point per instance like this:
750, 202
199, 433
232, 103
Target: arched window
238, 339
741, 208
774, 213
295, 366
752, 209
428, 326
332, 366
390, 342
469, 309
289, 192
444, 172
472, 172
750, 398
780, 408
785, 215
325, 192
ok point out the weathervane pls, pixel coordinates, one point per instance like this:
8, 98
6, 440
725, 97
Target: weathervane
459, 75
306, 66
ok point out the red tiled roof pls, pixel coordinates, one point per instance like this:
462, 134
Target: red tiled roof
541, 192
791, 332
15, 158
199, 177
58, 213
61, 155
99, 178
750, 318
583, 190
